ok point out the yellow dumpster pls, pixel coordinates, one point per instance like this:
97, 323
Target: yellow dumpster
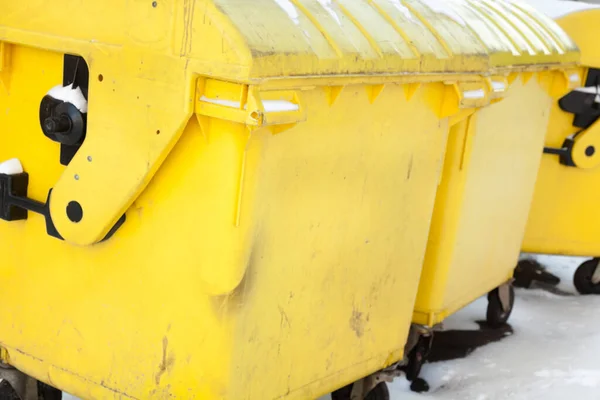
489, 174
564, 217
229, 199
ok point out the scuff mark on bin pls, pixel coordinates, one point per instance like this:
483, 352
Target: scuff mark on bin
72, 373
410, 165
357, 323
284, 319
188, 23
166, 362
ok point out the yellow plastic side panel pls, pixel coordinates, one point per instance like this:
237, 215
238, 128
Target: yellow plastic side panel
337, 210
476, 241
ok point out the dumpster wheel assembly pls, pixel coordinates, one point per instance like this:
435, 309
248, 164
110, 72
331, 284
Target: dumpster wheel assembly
500, 305
15, 385
379, 392
587, 277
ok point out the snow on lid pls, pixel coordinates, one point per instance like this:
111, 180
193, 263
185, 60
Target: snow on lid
226, 103
588, 89
327, 5
443, 7
279, 106
498, 86
574, 77
403, 9
290, 10
269, 105
11, 167
558, 8
69, 95
474, 94
591, 90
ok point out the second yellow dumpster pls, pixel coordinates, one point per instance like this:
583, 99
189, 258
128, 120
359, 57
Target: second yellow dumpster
489, 173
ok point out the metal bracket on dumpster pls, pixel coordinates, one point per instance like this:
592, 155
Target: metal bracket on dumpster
14, 204
582, 149
246, 104
24, 386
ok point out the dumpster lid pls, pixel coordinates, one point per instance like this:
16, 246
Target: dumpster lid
282, 38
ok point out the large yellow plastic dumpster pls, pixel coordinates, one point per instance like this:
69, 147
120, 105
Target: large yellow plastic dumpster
489, 174
226, 199
564, 217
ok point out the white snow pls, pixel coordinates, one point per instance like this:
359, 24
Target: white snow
226, 103
269, 105
69, 95
588, 89
279, 105
328, 6
592, 90
11, 167
290, 10
443, 7
474, 94
403, 9
574, 78
498, 86
558, 8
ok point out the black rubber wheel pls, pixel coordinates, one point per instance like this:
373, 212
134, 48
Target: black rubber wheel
583, 278
417, 357
527, 272
45, 392
419, 385
379, 392
7, 392
496, 314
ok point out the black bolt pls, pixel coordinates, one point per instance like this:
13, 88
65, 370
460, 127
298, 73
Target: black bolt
57, 125
154, 4
589, 151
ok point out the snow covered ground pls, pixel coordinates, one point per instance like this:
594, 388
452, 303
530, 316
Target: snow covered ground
552, 354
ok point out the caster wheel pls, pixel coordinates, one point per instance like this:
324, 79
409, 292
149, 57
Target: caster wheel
419, 385
529, 272
417, 357
7, 392
500, 304
45, 392
583, 278
379, 392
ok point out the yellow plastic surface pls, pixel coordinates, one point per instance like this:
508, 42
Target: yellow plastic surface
266, 254
564, 217
483, 201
